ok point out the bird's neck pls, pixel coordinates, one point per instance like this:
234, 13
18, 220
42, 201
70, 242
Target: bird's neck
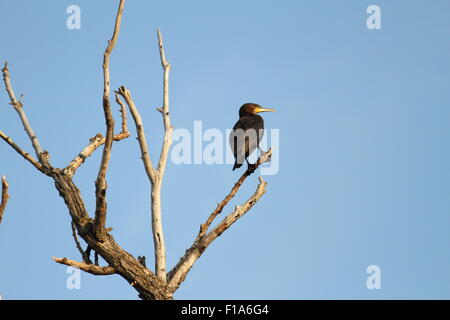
247, 114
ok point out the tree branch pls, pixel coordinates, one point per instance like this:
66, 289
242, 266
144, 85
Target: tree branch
165, 109
145, 156
85, 254
18, 106
178, 274
158, 234
89, 268
238, 212
123, 111
24, 154
5, 197
155, 176
204, 227
127, 266
97, 141
100, 184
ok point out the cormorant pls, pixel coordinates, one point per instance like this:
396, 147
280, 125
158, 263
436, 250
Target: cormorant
250, 127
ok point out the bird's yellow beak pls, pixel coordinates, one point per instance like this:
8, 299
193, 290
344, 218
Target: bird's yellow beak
259, 109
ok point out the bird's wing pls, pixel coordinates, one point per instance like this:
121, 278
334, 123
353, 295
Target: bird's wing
243, 141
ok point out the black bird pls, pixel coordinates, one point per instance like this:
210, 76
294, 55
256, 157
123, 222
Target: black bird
247, 132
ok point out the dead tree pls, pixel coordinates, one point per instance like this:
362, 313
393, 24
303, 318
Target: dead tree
157, 284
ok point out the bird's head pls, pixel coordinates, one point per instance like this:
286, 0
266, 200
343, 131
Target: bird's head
253, 108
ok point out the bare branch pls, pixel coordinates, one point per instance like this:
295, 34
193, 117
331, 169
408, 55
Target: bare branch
238, 212
158, 234
204, 227
5, 197
18, 106
165, 109
97, 141
179, 272
84, 254
155, 180
94, 143
75, 237
155, 176
145, 156
100, 184
24, 154
89, 268
177, 275
123, 110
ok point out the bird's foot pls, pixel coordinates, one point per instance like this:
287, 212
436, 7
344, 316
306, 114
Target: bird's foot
252, 167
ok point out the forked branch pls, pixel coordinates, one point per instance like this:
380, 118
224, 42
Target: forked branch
97, 141
204, 227
179, 272
155, 176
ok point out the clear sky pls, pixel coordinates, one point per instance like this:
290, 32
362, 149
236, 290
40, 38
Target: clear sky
363, 117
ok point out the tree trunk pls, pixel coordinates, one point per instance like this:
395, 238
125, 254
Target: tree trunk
142, 279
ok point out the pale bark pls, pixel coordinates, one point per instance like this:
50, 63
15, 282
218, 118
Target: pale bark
155, 176
4, 197
19, 150
158, 234
145, 156
18, 106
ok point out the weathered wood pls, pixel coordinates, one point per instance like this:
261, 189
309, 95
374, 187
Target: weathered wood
124, 264
4, 197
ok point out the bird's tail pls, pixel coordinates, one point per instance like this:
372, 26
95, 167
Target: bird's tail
237, 165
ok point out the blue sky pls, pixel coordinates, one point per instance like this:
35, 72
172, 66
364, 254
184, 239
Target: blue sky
363, 116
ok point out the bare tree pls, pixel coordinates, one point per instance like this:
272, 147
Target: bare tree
157, 284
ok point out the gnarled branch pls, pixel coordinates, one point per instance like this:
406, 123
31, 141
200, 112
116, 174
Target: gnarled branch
100, 184
89, 268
